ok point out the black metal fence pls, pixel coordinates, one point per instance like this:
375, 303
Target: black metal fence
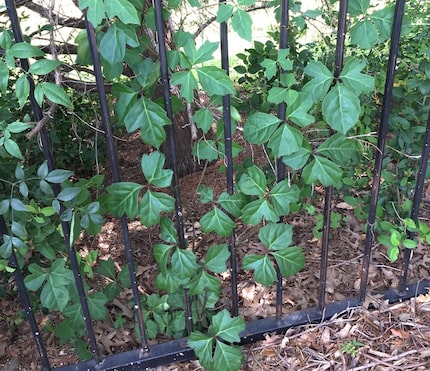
147, 356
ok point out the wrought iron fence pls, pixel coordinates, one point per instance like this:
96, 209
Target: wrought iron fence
146, 355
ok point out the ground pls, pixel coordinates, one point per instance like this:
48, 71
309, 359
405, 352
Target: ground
386, 338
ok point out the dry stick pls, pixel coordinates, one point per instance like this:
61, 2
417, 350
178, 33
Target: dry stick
380, 362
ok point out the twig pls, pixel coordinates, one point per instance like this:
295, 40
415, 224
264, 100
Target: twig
48, 116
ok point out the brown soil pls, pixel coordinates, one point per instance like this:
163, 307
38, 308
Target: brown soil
388, 338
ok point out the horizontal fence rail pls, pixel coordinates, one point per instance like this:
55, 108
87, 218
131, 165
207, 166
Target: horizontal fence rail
148, 356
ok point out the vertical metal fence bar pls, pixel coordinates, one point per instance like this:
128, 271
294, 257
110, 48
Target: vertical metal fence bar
111, 152
46, 148
328, 195
382, 134
25, 301
280, 166
418, 194
229, 163
162, 54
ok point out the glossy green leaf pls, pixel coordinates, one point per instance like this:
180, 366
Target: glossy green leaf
282, 194
270, 67
205, 149
12, 148
341, 108
255, 211
218, 221
358, 7
278, 95
168, 230
4, 76
97, 305
354, 79
44, 66
184, 263
203, 282
201, 55
112, 45
96, 11
152, 205
290, 260
18, 127
216, 257
276, 236
122, 199
241, 23
188, 84
56, 94
215, 81
25, 50
226, 327
285, 141
58, 176
203, 119
322, 79
364, 34
224, 12
22, 89
264, 272
68, 194
383, 20
227, 357
17, 205
339, 149
124, 10
253, 181
153, 169
161, 254
232, 203
150, 118
259, 127
298, 112
106, 268
323, 170
202, 345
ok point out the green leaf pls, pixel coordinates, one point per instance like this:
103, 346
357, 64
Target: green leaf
202, 345
153, 169
276, 236
224, 12
339, 149
383, 19
278, 95
4, 77
58, 176
122, 199
216, 257
285, 141
56, 94
242, 24
206, 194
106, 268
150, 118
188, 84
341, 108
152, 205
161, 254
25, 50
168, 230
97, 304
282, 194
18, 229
203, 282
218, 221
55, 294
227, 357
298, 111
270, 67
285, 63
203, 54
68, 194
393, 253
324, 170
253, 181
18, 127
44, 66
358, 7
203, 119
205, 150
34, 280
96, 11
290, 260
354, 80
409, 244
124, 10
184, 263
112, 45
364, 34
232, 203
17, 205
255, 211
264, 272
259, 127
22, 89
214, 80
226, 327
322, 79
12, 148
4, 206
